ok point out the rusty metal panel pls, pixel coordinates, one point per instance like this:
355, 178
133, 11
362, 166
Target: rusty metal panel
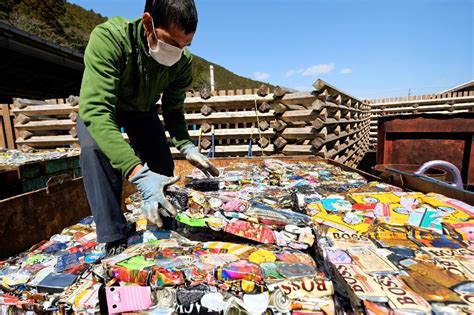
413, 182
416, 139
32, 217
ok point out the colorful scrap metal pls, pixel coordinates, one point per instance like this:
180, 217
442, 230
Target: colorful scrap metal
273, 238
16, 157
161, 271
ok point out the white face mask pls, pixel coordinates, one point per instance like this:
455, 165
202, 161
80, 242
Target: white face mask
164, 53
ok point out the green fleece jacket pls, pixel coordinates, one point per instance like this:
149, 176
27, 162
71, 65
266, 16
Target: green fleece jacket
120, 76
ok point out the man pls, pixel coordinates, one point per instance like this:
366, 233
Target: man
128, 65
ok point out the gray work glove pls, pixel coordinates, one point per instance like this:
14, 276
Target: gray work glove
152, 187
199, 160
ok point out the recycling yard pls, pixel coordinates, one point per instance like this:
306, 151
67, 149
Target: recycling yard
290, 225
334, 175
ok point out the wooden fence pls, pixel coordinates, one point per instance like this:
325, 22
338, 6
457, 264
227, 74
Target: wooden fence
326, 122
447, 103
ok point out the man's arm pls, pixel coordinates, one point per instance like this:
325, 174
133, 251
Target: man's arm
173, 104
98, 97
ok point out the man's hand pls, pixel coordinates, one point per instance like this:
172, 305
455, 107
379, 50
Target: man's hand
151, 186
199, 160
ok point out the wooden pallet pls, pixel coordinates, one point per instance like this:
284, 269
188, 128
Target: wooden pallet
324, 122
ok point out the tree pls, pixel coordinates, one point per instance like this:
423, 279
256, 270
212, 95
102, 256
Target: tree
6, 7
47, 11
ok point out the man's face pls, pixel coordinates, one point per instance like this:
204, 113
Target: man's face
172, 35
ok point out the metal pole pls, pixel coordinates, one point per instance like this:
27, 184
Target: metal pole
211, 71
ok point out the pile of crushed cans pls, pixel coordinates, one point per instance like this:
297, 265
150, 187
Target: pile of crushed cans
271, 238
17, 157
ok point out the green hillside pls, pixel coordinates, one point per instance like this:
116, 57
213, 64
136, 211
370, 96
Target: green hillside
224, 79
69, 25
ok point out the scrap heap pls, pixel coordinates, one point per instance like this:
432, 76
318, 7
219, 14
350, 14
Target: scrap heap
280, 237
10, 158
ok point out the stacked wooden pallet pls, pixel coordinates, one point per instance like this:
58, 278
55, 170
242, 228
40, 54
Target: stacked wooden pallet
7, 132
42, 124
332, 125
205, 93
223, 124
448, 103
326, 122
230, 125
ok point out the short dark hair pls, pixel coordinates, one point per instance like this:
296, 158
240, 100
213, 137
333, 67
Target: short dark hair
181, 13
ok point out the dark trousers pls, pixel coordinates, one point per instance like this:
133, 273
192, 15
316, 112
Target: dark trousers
103, 183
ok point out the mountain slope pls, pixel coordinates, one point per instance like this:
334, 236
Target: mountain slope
69, 25
224, 79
